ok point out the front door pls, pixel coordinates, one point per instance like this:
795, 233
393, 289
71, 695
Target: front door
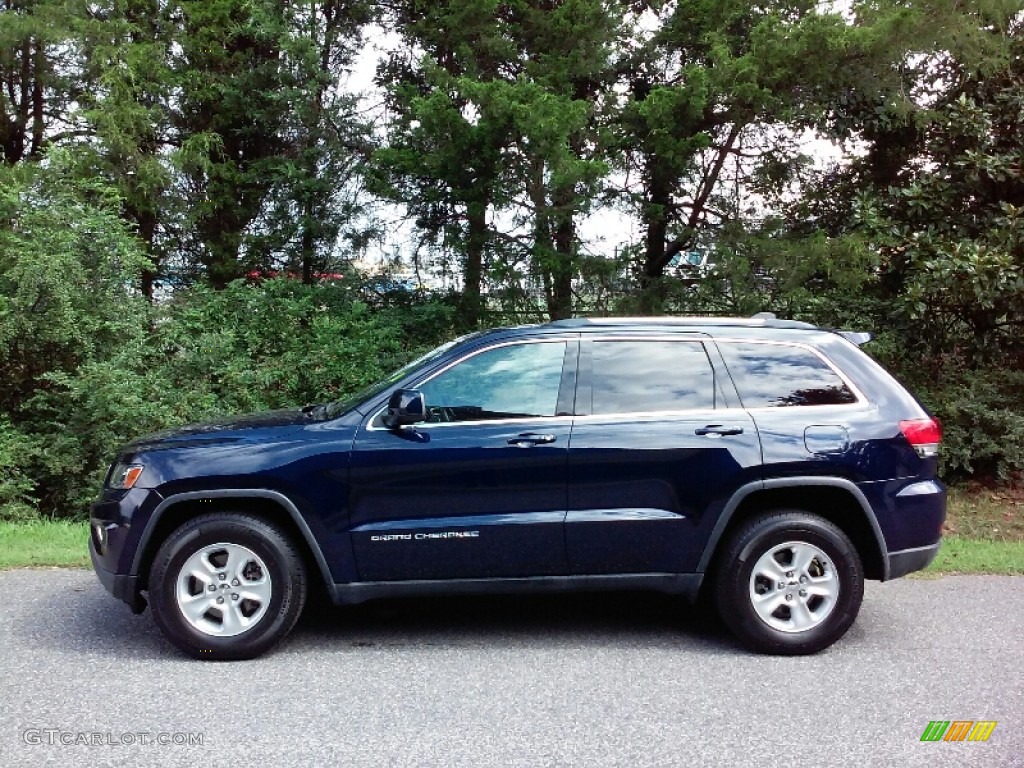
479, 490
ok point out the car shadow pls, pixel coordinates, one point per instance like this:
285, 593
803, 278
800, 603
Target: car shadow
83, 619
594, 619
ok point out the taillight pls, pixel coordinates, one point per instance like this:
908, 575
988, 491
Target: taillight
924, 434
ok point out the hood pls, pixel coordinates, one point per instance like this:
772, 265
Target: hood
227, 429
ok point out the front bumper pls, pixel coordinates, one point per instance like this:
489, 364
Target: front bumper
909, 560
123, 586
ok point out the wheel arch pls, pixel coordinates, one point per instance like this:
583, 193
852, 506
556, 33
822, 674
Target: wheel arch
835, 499
178, 509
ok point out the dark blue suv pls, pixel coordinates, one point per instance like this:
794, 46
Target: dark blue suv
771, 463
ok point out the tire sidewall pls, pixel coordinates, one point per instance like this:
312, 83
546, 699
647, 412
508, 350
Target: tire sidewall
744, 619
280, 614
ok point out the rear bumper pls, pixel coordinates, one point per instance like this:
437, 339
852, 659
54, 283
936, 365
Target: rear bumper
121, 585
909, 560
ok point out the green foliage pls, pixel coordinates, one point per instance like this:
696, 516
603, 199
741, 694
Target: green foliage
153, 152
41, 71
66, 261
980, 413
950, 232
211, 353
16, 486
493, 101
87, 363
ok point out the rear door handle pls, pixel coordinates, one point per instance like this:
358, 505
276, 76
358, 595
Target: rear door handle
717, 430
527, 439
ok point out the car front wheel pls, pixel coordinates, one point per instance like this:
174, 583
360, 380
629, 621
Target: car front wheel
789, 583
227, 586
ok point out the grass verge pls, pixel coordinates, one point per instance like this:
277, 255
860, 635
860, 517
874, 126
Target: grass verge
984, 532
39, 543
960, 555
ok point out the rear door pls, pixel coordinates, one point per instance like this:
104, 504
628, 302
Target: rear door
658, 446
480, 490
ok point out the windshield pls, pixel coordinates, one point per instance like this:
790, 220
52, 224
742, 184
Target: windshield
339, 407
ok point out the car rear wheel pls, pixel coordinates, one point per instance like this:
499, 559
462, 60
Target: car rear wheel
227, 586
789, 583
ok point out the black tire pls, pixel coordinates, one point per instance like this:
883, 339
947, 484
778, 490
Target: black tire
779, 632
255, 543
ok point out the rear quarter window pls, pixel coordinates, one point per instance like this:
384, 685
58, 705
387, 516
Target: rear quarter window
778, 376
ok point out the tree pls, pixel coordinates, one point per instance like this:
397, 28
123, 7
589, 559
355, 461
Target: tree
443, 152
38, 69
717, 93
566, 52
229, 116
224, 128
325, 141
950, 225
129, 110
501, 116
66, 263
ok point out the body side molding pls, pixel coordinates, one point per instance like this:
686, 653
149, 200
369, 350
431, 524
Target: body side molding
674, 583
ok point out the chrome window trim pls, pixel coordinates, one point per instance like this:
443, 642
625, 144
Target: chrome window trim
640, 416
861, 400
525, 420
425, 425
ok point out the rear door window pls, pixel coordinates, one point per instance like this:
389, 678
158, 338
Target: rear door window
645, 376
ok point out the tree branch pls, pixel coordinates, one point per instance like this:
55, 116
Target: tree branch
700, 200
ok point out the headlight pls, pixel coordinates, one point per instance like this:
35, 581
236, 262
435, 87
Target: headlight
124, 476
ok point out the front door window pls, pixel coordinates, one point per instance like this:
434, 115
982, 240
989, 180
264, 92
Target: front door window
517, 381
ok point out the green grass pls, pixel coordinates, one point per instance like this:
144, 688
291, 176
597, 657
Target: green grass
959, 555
984, 533
41, 543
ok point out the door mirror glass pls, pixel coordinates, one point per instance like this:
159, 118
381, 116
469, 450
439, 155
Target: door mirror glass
406, 406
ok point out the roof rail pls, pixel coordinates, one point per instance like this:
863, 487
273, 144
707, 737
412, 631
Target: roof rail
760, 320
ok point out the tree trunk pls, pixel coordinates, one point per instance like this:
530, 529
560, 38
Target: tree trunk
146, 221
38, 120
656, 217
476, 242
308, 244
562, 263
652, 293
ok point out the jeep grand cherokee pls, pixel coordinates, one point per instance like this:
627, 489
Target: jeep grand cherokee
770, 463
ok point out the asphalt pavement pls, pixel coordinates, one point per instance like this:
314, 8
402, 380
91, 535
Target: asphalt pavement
576, 680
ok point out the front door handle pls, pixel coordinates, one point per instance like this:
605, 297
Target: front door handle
717, 430
527, 439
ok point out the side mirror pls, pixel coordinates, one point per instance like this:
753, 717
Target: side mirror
406, 406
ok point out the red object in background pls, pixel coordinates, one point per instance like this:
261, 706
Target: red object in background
270, 274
